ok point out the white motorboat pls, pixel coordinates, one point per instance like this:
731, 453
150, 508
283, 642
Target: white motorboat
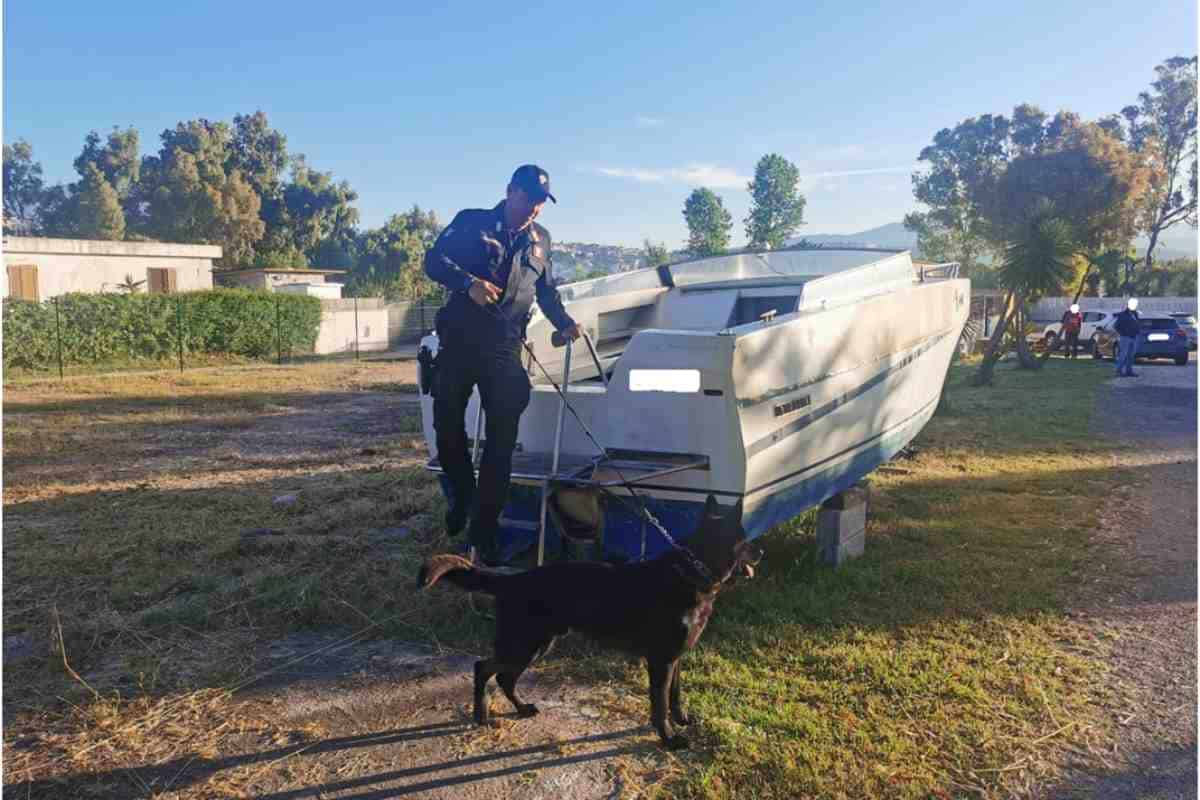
780, 378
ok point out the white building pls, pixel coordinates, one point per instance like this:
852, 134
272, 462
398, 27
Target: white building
38, 268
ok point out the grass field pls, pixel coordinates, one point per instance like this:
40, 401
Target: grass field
148, 557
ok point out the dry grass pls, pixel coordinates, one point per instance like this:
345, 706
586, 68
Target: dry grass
141, 511
147, 744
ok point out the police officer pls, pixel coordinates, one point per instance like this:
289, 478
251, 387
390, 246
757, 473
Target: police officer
495, 262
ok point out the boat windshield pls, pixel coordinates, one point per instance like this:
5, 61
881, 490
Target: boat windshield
780, 266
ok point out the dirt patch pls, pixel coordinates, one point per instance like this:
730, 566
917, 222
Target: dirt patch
397, 722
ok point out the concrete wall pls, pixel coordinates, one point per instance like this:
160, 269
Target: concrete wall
408, 322
85, 265
1051, 309
337, 332
261, 279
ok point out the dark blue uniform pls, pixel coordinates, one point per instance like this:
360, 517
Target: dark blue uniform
481, 346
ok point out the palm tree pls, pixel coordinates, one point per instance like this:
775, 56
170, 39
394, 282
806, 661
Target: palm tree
129, 284
1037, 260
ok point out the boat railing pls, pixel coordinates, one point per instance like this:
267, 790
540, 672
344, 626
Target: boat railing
938, 272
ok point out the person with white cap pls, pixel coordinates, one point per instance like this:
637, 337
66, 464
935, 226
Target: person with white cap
1127, 325
1072, 322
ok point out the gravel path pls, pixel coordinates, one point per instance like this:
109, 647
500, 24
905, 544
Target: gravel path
1151, 524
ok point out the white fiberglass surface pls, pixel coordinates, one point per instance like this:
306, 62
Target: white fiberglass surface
878, 277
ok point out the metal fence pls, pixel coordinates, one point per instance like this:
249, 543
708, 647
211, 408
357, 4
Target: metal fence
58, 337
408, 321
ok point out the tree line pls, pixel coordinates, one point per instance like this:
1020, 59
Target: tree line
231, 184
1040, 205
776, 211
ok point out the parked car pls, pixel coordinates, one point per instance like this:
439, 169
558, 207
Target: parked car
1092, 320
1188, 323
1160, 337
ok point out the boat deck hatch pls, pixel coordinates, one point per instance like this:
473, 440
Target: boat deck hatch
635, 466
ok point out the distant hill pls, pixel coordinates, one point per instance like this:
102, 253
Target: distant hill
1177, 242
892, 236
576, 260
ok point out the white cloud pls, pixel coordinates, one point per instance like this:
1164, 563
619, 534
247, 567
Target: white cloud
846, 173
847, 152
640, 175
709, 175
642, 121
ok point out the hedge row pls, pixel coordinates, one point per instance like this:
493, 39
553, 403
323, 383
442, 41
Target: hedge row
103, 328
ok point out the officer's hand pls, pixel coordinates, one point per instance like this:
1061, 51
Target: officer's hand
483, 292
573, 333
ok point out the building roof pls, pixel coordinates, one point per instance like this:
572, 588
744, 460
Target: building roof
282, 270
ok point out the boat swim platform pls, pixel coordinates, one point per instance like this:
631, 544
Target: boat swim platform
613, 470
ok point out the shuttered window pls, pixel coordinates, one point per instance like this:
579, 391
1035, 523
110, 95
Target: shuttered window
160, 281
23, 282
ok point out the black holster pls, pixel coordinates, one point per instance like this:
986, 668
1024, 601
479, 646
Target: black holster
427, 369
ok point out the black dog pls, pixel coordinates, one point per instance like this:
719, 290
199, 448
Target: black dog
654, 609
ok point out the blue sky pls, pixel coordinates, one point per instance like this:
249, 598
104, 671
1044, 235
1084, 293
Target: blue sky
627, 105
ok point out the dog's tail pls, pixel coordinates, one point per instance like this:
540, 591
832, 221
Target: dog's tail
459, 571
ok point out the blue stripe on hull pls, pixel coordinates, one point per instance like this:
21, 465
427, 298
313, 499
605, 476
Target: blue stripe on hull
781, 506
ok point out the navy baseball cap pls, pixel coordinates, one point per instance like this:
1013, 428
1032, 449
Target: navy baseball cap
534, 180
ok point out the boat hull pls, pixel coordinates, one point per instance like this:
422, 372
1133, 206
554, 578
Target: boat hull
786, 414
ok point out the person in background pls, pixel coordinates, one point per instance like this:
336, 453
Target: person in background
1127, 325
1072, 323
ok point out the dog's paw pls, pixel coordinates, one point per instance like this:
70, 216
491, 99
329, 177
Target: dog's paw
481, 715
676, 742
682, 718
527, 710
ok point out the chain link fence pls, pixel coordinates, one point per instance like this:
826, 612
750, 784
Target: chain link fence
78, 334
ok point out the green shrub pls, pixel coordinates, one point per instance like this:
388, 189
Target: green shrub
104, 328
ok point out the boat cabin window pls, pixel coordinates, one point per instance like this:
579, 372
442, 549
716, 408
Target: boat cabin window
624, 322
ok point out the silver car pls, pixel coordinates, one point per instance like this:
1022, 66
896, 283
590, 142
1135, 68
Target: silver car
1188, 323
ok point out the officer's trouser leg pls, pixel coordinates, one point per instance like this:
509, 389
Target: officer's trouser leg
504, 389
455, 380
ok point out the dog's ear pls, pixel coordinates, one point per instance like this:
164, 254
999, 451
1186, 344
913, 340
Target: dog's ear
711, 509
736, 513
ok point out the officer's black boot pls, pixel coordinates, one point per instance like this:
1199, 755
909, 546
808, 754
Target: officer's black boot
456, 519
458, 502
